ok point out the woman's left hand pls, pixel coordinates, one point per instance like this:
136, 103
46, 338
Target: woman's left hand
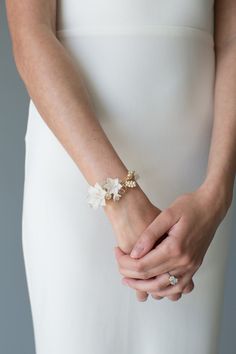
189, 223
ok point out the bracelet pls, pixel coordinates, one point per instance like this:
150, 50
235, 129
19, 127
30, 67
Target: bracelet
112, 188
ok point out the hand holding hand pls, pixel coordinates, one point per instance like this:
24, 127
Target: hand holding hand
190, 222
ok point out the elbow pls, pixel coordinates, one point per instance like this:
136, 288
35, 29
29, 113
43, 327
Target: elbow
20, 54
28, 45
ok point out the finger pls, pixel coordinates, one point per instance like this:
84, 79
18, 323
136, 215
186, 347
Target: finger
156, 229
177, 288
150, 285
157, 259
156, 262
145, 274
141, 295
174, 297
189, 287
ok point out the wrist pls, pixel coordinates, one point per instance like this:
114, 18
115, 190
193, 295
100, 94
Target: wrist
219, 192
129, 217
133, 197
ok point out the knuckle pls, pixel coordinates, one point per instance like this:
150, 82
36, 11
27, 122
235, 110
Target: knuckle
139, 266
193, 265
187, 260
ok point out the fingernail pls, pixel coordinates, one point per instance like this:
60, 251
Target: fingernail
136, 251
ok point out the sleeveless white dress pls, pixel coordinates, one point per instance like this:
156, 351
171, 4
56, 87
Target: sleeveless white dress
149, 68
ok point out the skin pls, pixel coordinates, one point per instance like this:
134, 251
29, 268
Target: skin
192, 219
59, 93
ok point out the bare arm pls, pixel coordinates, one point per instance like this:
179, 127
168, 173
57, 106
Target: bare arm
193, 218
57, 88
222, 157
58, 91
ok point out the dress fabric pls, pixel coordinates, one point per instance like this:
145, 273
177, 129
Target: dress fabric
149, 67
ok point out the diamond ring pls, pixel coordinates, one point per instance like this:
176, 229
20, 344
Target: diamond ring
172, 279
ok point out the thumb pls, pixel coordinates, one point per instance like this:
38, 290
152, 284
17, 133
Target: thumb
155, 230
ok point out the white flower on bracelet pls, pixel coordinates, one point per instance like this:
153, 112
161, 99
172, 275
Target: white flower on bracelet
97, 193
113, 186
96, 196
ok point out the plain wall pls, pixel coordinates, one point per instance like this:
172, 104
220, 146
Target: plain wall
16, 333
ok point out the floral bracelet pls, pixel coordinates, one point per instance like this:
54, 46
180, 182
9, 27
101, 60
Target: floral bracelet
112, 188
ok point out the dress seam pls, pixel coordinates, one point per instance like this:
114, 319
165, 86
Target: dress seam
135, 30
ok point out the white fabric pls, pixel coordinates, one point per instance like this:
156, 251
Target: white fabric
149, 68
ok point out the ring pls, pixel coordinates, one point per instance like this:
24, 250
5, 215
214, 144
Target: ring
172, 279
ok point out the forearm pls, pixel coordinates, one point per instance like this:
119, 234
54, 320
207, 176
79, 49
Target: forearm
222, 156
57, 89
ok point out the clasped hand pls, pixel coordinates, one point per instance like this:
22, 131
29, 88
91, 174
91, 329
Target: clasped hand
176, 241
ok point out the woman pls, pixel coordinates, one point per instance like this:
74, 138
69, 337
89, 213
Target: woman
118, 86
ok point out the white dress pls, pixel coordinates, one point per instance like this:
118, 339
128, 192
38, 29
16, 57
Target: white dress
149, 67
